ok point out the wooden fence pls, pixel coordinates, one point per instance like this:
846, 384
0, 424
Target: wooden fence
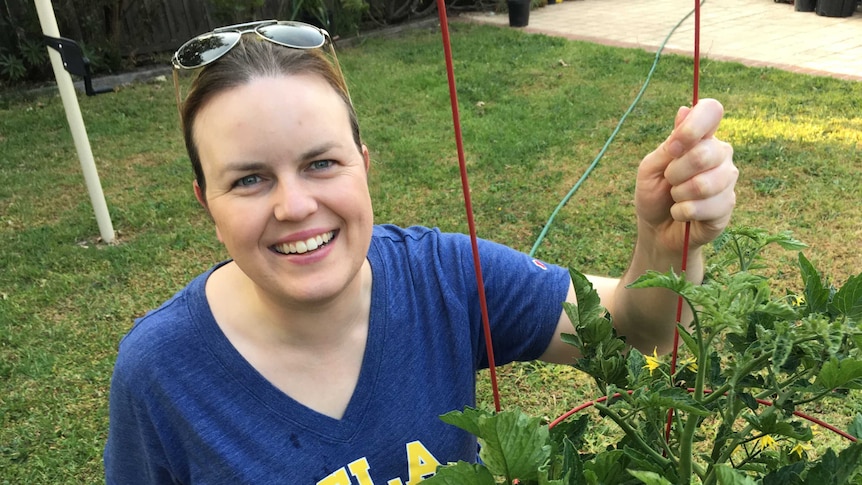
132, 26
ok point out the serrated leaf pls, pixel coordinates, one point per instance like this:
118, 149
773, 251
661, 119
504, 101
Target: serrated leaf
786, 475
771, 424
589, 305
635, 363
728, 476
608, 467
544, 479
787, 241
514, 445
816, 295
649, 478
855, 428
675, 398
641, 462
670, 280
848, 300
689, 341
468, 420
838, 373
779, 309
461, 473
832, 469
783, 348
747, 399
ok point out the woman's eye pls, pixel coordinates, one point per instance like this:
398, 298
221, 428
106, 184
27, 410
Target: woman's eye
247, 180
321, 164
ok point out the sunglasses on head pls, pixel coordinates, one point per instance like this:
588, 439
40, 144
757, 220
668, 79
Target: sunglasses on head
210, 47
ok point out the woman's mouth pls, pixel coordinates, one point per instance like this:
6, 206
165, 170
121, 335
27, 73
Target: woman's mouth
302, 247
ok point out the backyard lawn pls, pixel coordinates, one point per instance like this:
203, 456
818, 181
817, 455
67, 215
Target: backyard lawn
535, 111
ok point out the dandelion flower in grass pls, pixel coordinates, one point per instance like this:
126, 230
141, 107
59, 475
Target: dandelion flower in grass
765, 442
652, 362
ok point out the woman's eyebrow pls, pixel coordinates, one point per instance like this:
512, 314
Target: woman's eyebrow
252, 166
243, 166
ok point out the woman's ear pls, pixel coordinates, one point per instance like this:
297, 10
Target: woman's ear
366, 158
202, 200
199, 195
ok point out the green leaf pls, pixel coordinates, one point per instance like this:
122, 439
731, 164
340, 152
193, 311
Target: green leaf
468, 420
771, 424
589, 304
513, 444
855, 428
816, 295
670, 280
835, 470
635, 363
675, 398
749, 400
848, 300
787, 475
461, 473
838, 373
783, 347
728, 476
650, 478
641, 462
608, 467
689, 341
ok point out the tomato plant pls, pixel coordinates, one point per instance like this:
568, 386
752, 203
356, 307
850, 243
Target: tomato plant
748, 361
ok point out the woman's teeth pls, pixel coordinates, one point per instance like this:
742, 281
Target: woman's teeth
310, 244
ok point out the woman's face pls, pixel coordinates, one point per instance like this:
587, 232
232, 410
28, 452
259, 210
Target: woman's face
286, 186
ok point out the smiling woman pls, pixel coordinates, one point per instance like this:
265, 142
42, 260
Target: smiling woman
327, 346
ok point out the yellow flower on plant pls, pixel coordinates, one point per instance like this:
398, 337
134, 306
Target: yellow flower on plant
690, 363
797, 300
801, 449
652, 362
765, 442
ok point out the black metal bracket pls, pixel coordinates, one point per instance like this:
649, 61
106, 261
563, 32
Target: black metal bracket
75, 62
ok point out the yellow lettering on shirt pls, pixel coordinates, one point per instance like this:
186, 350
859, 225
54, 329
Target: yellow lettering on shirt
421, 462
339, 477
359, 469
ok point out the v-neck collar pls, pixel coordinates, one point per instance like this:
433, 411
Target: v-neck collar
249, 380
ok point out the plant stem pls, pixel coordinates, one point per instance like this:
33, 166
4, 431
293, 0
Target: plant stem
634, 435
686, 440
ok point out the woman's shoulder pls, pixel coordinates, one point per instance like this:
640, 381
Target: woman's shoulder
416, 235
172, 327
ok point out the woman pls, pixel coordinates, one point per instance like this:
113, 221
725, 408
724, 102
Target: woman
326, 348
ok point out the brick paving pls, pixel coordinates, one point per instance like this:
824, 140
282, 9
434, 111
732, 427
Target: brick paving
753, 32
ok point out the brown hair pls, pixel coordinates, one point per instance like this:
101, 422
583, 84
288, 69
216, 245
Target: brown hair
250, 59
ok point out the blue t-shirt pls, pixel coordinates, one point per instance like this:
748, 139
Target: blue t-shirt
187, 408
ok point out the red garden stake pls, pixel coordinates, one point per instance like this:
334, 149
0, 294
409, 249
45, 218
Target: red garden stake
695, 95
468, 204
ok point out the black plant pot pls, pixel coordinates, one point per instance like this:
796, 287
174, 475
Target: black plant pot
836, 8
805, 5
519, 12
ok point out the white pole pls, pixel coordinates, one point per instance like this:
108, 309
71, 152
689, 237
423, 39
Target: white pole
76, 123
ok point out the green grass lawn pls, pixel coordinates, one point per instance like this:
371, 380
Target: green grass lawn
535, 112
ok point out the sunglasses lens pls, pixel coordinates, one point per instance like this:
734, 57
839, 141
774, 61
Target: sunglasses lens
293, 34
200, 51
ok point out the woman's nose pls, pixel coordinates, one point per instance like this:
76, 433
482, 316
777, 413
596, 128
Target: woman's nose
293, 201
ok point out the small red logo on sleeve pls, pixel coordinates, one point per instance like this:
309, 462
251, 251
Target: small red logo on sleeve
540, 264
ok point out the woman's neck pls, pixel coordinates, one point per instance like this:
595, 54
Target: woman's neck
254, 315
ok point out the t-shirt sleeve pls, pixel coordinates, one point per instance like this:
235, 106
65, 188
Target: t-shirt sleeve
133, 453
524, 295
